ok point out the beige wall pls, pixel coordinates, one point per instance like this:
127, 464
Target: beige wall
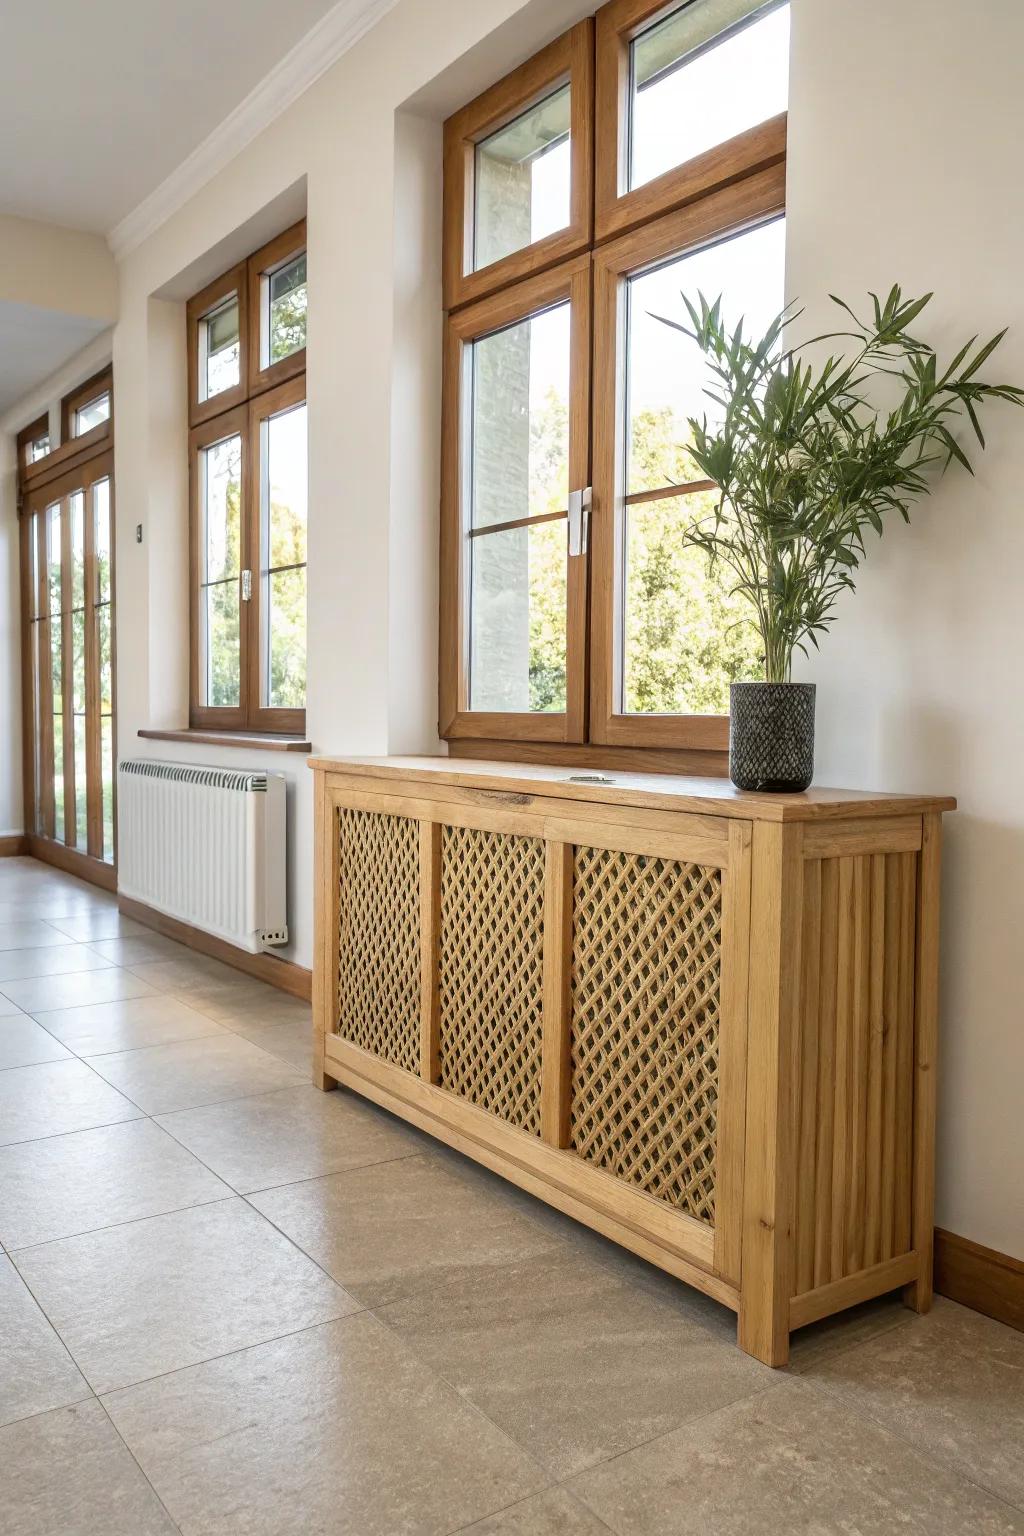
57, 269
918, 683
905, 128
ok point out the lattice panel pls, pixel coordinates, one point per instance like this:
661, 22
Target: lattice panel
646, 975
490, 971
379, 935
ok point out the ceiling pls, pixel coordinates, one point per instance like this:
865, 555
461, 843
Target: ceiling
34, 343
105, 100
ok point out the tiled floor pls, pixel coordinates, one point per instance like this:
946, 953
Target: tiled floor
232, 1304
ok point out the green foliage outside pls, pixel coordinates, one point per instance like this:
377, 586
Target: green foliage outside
686, 636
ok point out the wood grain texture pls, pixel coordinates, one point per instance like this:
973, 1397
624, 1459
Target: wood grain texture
248, 741
14, 845
430, 933
581, 758
569, 59
926, 1031
854, 1074
556, 1084
981, 1278
325, 930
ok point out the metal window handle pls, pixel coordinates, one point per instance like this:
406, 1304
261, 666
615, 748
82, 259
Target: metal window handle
579, 520
246, 586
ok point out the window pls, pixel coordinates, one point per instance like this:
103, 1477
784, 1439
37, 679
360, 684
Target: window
33, 442
68, 660
572, 611
247, 405
86, 411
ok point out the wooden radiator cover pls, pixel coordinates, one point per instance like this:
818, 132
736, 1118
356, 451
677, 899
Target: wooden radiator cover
702, 1022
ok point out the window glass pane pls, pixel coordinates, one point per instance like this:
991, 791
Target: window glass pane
101, 538
522, 181
219, 353
666, 371
220, 549
711, 70
517, 619
77, 505
53, 557
686, 637
103, 631
39, 448
283, 542
81, 797
286, 299
107, 762
92, 414
58, 766
520, 420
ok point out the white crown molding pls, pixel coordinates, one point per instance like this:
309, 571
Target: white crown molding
334, 34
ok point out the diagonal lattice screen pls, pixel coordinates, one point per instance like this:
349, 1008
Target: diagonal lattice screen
379, 935
646, 969
491, 971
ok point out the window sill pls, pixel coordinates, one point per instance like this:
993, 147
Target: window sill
262, 741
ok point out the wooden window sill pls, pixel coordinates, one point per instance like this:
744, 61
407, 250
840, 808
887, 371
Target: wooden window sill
262, 741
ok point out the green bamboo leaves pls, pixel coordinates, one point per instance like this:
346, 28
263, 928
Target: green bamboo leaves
812, 449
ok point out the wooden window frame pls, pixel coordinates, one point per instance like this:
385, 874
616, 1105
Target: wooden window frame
731, 211
40, 819
26, 437
568, 60
728, 189
239, 411
570, 281
616, 207
276, 253
235, 281
101, 383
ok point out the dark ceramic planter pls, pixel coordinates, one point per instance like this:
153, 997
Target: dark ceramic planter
771, 735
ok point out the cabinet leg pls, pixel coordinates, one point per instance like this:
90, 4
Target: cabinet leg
321, 1077
762, 1332
919, 1293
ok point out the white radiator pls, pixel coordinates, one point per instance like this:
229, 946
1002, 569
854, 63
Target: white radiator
207, 846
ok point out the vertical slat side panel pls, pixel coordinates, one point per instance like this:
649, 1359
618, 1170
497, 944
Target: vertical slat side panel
828, 964
556, 1075
844, 1031
890, 1049
858, 1066
430, 920
732, 1054
809, 1040
325, 926
902, 1170
875, 1074
926, 1012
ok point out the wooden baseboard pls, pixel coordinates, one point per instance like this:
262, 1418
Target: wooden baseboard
283, 974
13, 846
980, 1278
72, 862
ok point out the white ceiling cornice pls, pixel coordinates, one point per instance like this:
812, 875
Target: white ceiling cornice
312, 56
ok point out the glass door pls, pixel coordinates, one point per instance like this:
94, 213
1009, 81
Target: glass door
68, 638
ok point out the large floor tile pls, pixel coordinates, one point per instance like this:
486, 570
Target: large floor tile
68, 1474
338, 1431
29, 933
290, 1043
398, 1228
36, 1371
810, 1347
571, 1362
103, 923
134, 1301
137, 949
786, 1461
555, 1512
952, 1384
162, 1078
100, 1029
42, 994
295, 1133
23, 1042
64, 1185
49, 960
56, 1097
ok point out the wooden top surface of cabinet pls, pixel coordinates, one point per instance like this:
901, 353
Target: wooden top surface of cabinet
654, 791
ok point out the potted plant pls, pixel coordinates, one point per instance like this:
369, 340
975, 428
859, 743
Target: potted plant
808, 463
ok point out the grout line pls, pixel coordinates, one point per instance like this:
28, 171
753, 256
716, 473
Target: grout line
142, 1471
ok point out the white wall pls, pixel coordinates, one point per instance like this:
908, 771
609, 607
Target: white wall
905, 127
